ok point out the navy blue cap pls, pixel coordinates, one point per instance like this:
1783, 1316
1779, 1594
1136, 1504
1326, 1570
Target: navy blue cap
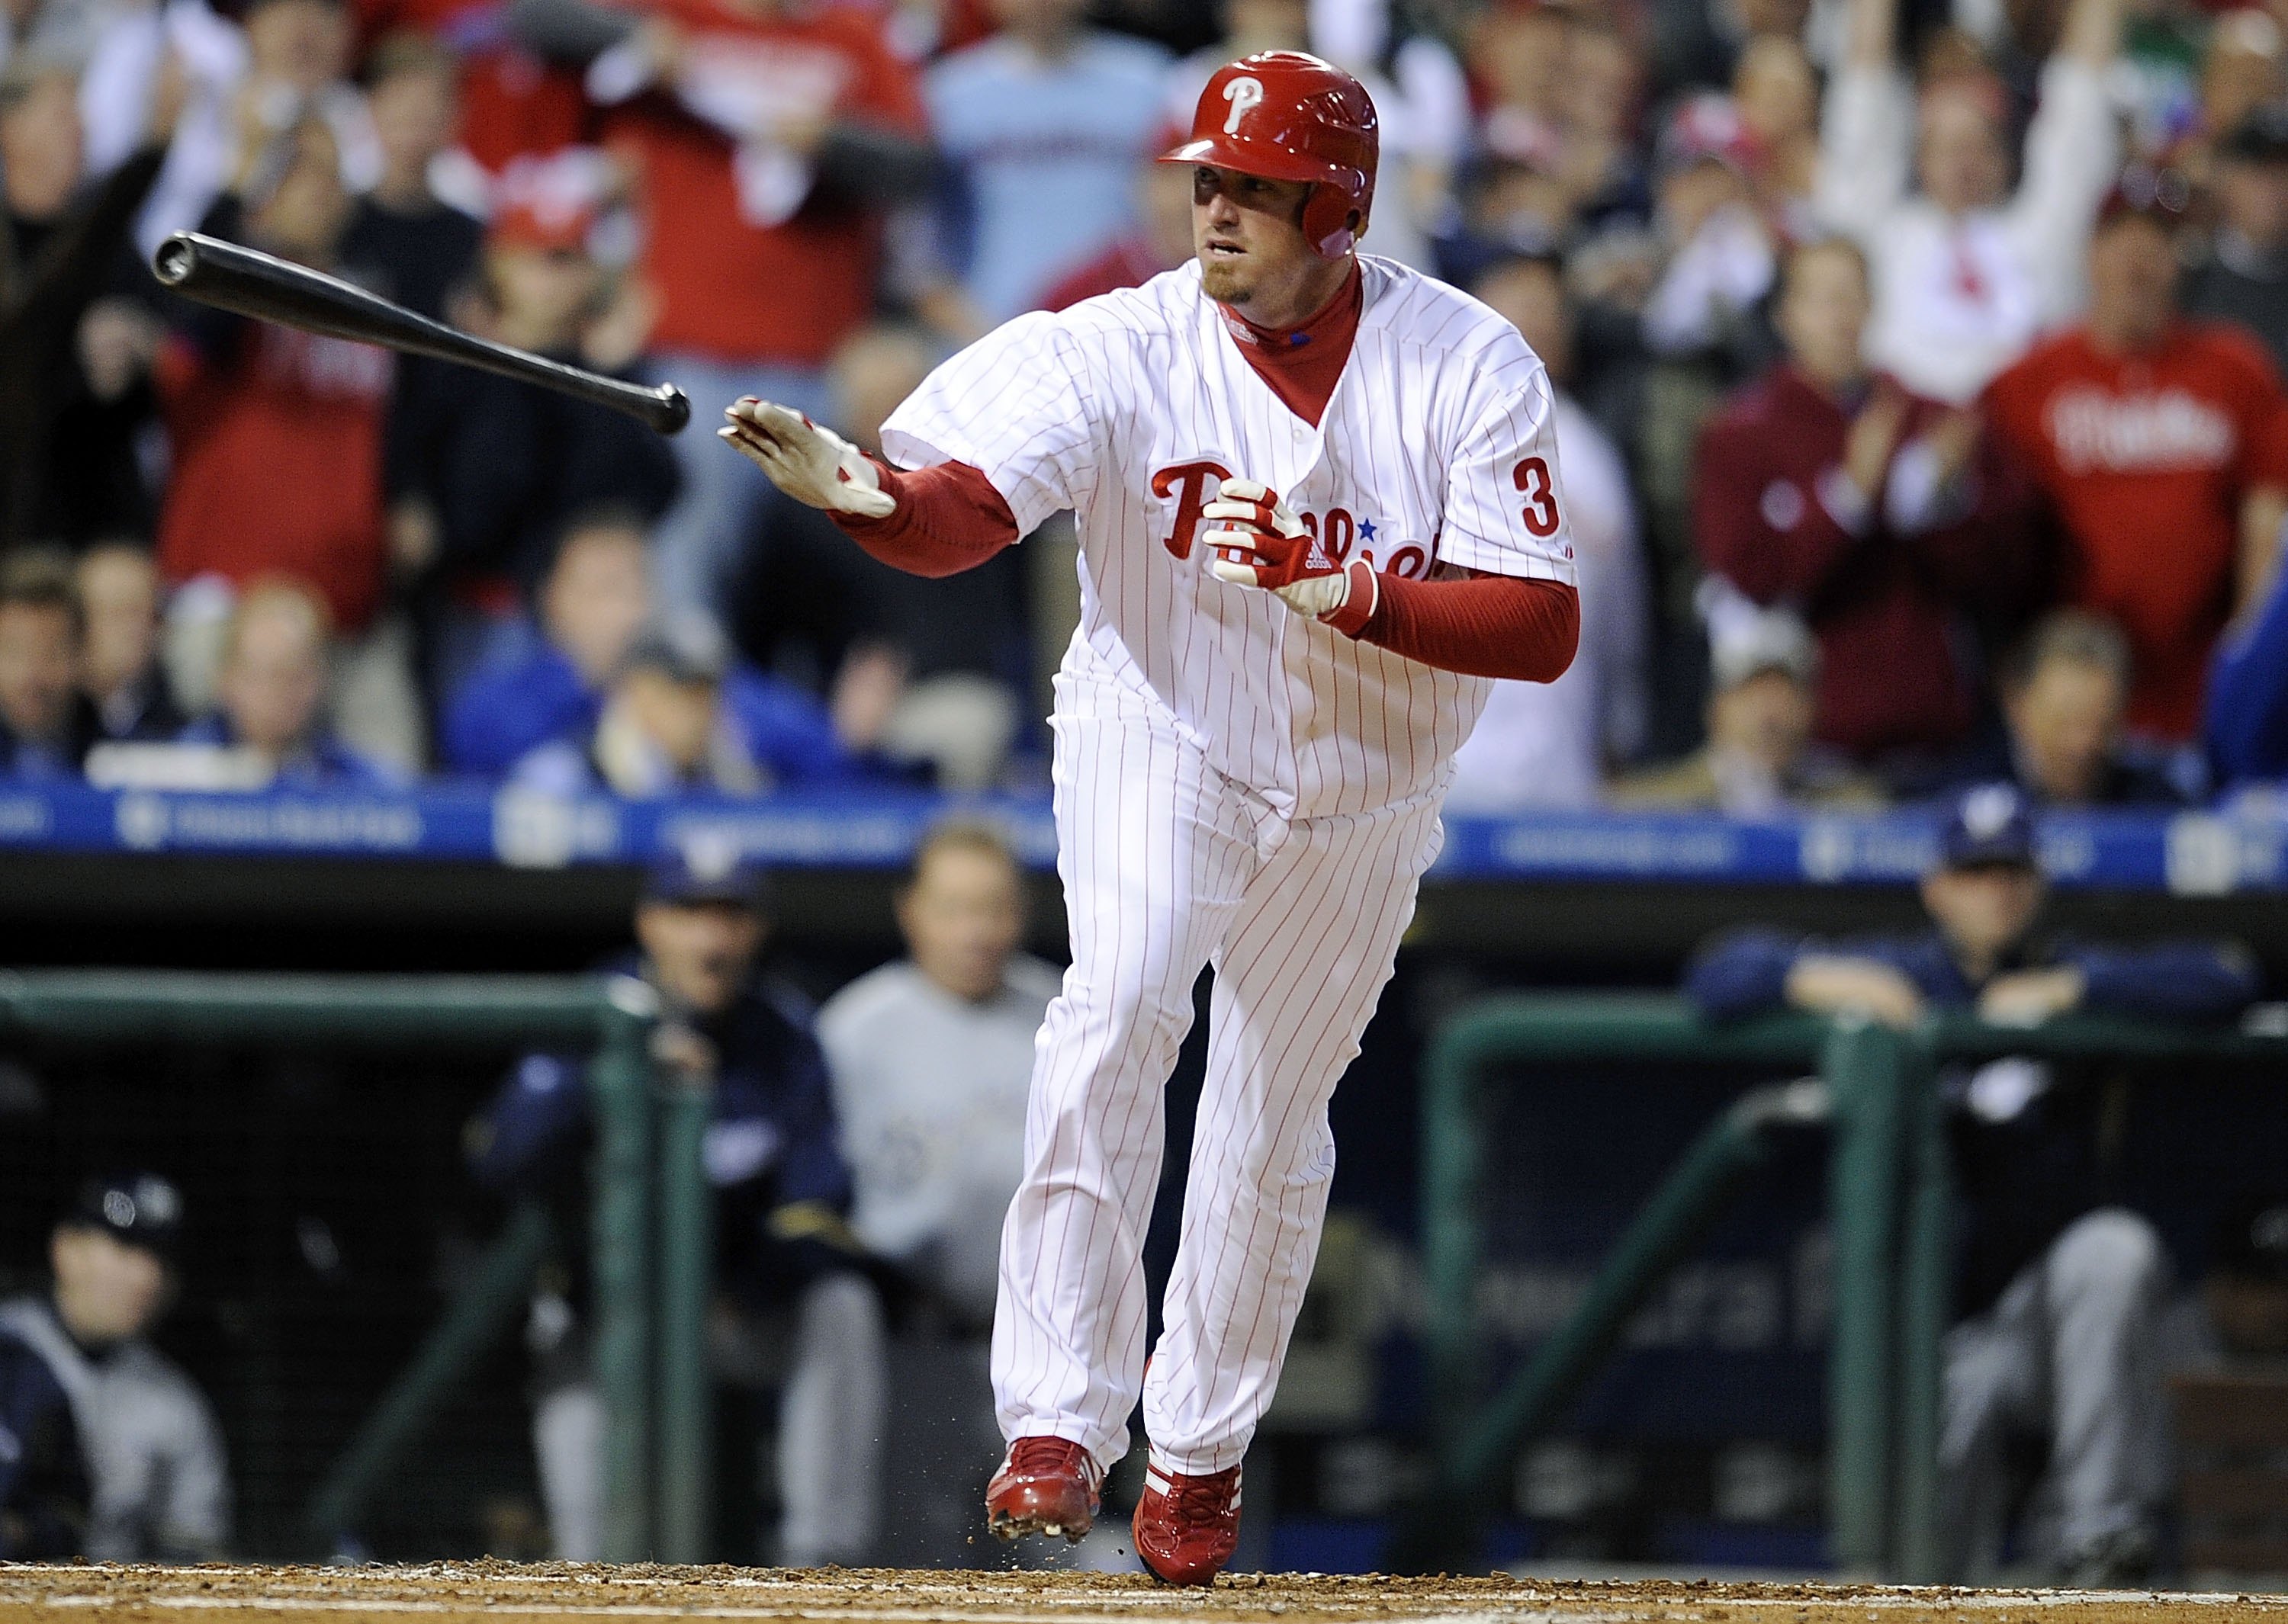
1987, 827
140, 1209
697, 873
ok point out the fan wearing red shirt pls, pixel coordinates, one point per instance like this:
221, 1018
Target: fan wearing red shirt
1879, 517
2161, 445
513, 103
766, 137
277, 433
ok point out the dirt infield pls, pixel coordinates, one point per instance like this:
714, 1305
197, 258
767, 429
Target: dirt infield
449, 1593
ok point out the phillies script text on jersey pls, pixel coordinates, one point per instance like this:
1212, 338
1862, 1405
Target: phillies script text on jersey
2147, 458
1192, 486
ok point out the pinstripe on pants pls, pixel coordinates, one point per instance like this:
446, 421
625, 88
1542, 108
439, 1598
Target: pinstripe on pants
1169, 865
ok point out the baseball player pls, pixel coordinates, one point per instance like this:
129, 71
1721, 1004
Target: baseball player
1319, 507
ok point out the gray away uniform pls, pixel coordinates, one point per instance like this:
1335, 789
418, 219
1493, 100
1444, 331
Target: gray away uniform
160, 1487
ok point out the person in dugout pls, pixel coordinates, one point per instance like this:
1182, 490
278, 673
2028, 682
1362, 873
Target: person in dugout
2060, 1290
797, 1312
119, 1456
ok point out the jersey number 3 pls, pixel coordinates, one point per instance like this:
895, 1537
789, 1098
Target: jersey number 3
1532, 478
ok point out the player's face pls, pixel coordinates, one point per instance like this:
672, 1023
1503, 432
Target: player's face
701, 953
1986, 910
1248, 234
37, 657
2062, 723
106, 1291
963, 919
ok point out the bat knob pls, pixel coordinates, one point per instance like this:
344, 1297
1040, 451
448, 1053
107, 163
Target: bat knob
675, 409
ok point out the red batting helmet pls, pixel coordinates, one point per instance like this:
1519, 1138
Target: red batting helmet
1284, 115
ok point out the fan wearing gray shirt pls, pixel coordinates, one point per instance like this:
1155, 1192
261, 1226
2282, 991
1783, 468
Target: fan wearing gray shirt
931, 1059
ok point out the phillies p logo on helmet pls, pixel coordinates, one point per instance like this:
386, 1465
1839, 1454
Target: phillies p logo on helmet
1285, 115
1242, 94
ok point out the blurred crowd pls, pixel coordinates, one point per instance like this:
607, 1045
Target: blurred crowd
1920, 377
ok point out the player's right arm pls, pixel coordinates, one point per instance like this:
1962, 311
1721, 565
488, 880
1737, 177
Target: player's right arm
993, 441
935, 521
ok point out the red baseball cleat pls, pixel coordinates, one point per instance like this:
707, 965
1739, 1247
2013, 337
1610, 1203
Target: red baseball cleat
1046, 1485
1187, 1528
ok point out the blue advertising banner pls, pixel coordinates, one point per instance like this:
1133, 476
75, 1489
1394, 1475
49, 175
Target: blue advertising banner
2194, 853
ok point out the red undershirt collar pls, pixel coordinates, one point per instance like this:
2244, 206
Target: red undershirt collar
1301, 364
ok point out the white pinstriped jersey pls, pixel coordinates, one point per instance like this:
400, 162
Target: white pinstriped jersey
1436, 450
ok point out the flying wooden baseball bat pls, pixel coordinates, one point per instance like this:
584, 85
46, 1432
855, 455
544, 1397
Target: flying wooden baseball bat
231, 277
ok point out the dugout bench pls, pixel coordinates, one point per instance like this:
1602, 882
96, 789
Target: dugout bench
1890, 1203
649, 1208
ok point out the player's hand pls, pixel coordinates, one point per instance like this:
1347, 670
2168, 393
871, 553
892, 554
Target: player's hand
816, 466
2029, 997
1259, 542
1838, 982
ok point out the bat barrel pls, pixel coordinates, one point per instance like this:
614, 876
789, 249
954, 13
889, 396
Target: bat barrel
236, 278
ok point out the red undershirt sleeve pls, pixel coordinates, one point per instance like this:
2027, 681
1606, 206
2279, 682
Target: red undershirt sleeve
949, 518
1486, 626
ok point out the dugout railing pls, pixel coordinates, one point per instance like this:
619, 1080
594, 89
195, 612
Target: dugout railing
1890, 1205
650, 1216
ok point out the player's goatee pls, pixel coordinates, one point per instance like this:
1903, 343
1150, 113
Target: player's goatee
1224, 283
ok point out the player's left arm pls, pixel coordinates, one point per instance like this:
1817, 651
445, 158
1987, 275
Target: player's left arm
1507, 603
1475, 623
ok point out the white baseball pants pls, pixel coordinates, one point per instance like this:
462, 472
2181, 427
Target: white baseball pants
1169, 865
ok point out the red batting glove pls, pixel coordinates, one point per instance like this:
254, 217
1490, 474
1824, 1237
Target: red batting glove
1259, 542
